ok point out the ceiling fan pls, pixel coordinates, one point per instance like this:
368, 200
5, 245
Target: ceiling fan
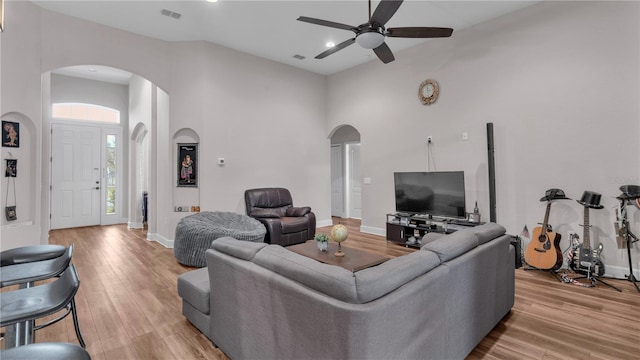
371, 34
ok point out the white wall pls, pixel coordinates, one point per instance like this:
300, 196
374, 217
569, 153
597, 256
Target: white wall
140, 114
265, 118
21, 97
559, 80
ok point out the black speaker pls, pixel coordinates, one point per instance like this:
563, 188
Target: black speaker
517, 244
492, 173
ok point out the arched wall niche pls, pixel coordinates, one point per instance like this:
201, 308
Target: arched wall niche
185, 197
27, 174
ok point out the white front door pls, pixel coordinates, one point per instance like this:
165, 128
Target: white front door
75, 176
337, 182
355, 182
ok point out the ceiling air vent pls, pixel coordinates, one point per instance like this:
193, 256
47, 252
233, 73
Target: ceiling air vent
299, 57
170, 14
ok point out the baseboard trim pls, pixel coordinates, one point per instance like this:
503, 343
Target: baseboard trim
620, 272
161, 240
323, 223
373, 230
135, 225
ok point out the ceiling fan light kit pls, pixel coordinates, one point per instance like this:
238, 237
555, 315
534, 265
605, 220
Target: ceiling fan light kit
371, 34
370, 40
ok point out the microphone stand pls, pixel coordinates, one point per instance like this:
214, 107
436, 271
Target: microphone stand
628, 236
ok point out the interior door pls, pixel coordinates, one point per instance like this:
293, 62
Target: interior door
337, 181
355, 182
75, 176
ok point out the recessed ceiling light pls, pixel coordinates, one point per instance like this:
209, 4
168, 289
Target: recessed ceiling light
330, 44
212, 0
92, 70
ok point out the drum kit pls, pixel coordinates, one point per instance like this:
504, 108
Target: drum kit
630, 196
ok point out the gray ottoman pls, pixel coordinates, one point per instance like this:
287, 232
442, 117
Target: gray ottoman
193, 288
195, 233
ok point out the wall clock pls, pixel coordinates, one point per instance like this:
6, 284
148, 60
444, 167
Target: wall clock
428, 92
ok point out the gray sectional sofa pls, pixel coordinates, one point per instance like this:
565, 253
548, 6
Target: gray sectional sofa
259, 301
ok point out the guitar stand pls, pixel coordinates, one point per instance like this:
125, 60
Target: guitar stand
595, 279
555, 274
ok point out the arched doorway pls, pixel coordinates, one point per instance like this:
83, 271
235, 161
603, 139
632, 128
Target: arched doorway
134, 97
346, 182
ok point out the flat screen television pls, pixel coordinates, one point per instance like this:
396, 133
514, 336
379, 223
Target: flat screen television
437, 193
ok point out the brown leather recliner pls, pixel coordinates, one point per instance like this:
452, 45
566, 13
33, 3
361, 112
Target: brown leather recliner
286, 224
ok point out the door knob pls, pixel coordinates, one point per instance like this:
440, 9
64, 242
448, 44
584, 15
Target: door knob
97, 187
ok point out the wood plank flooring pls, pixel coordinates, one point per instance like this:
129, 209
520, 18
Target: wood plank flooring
129, 307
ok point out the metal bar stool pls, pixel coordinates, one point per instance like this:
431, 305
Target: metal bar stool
29, 304
25, 275
46, 351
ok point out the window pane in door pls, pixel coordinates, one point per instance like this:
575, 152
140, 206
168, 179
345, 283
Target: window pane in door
110, 181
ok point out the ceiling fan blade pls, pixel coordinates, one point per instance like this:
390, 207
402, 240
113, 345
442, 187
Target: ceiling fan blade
327, 23
385, 11
384, 53
419, 32
336, 48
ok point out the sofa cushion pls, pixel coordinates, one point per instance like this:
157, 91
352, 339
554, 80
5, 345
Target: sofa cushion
331, 280
488, 231
241, 249
194, 288
453, 245
294, 224
377, 281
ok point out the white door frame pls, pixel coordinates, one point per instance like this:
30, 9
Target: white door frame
348, 181
105, 129
337, 180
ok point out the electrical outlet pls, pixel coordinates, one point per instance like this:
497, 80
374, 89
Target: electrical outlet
429, 139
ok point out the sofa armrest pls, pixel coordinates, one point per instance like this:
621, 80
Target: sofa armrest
312, 224
274, 230
298, 211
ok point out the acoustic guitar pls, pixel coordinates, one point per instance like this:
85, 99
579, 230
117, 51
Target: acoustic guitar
543, 251
584, 259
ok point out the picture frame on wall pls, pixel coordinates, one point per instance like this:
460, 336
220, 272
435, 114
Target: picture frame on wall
10, 134
12, 168
188, 165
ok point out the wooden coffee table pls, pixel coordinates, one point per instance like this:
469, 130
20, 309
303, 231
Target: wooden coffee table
353, 260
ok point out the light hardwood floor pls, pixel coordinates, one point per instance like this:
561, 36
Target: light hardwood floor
129, 307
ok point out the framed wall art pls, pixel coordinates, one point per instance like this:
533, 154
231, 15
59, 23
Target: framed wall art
12, 168
10, 134
187, 165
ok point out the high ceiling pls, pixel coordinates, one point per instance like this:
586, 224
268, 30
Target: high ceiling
269, 29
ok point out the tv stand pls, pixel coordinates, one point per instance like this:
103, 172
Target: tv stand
402, 227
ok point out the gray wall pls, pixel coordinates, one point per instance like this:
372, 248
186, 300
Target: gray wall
232, 101
560, 82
